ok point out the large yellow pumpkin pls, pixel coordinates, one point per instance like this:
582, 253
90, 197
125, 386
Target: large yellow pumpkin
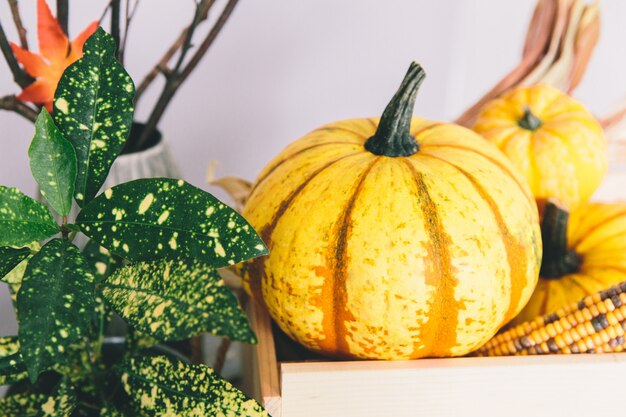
583, 253
551, 138
394, 238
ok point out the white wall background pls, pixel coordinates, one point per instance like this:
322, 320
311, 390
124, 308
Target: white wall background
281, 68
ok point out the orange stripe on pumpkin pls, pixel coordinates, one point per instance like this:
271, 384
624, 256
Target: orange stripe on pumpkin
514, 253
256, 268
334, 288
494, 161
443, 306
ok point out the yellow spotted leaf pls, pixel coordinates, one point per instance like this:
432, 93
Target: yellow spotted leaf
21, 405
158, 386
55, 306
93, 108
155, 218
61, 402
10, 258
12, 367
174, 300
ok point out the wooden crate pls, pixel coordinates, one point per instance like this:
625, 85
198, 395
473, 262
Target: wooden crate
556, 385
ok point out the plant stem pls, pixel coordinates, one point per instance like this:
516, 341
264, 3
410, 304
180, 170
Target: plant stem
558, 260
13, 104
393, 135
19, 75
210, 38
129, 14
115, 24
15, 12
220, 356
177, 77
63, 15
161, 66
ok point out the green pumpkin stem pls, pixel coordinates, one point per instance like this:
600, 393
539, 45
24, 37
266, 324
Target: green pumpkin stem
558, 260
393, 137
528, 120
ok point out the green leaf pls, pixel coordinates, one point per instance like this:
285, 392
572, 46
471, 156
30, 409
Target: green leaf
160, 217
22, 405
110, 411
94, 111
22, 219
158, 386
10, 258
62, 401
12, 367
174, 300
53, 164
54, 306
14, 278
103, 262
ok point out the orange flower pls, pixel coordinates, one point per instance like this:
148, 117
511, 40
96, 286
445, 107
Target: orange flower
56, 54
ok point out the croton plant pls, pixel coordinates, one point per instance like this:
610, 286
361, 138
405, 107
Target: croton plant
171, 235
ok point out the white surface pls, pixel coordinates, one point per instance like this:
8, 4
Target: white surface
282, 68
557, 385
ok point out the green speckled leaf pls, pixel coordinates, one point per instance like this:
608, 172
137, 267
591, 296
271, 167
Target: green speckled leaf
54, 306
12, 367
94, 111
159, 217
110, 411
53, 164
22, 219
14, 278
103, 262
10, 258
21, 405
61, 402
174, 300
160, 387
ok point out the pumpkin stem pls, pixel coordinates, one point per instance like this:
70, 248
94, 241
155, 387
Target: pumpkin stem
557, 260
393, 137
528, 120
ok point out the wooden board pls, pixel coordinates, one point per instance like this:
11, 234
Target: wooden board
564, 385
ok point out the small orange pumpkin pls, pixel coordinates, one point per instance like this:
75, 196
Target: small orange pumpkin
393, 238
555, 143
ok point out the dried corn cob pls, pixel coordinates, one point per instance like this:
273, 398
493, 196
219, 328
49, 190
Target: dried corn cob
596, 324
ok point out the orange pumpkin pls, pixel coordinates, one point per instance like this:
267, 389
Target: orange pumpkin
583, 253
555, 143
393, 238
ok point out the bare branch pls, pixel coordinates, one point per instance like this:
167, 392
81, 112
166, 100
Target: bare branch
115, 23
11, 103
202, 13
63, 15
19, 75
15, 11
104, 13
129, 14
208, 41
177, 77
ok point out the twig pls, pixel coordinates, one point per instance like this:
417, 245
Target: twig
15, 11
222, 350
178, 77
115, 24
13, 104
208, 41
19, 75
104, 13
161, 66
63, 15
129, 14
220, 357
